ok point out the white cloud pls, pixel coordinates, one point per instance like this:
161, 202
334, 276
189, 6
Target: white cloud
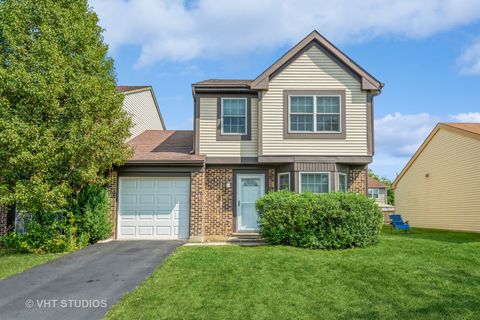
179, 30
398, 136
469, 60
466, 117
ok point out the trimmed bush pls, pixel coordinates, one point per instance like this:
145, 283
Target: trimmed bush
319, 221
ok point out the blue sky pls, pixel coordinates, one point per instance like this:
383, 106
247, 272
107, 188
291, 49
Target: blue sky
426, 52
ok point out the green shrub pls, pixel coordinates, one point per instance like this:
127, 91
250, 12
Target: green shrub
93, 214
45, 232
320, 221
87, 221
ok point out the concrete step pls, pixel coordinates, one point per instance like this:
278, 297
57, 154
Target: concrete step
246, 239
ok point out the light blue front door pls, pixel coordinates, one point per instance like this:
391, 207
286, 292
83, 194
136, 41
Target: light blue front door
249, 188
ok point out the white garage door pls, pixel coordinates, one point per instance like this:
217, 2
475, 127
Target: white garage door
153, 208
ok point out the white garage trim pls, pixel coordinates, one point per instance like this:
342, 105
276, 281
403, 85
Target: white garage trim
153, 208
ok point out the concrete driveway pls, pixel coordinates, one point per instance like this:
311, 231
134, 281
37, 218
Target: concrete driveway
84, 284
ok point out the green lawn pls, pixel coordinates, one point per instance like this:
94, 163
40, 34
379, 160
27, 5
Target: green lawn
422, 275
12, 263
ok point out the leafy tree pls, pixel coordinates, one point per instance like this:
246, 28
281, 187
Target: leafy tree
61, 122
386, 181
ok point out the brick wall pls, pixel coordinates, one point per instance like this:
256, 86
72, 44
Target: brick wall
358, 180
218, 203
196, 205
271, 180
3, 221
112, 190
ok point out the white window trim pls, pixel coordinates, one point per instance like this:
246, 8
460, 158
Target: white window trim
378, 193
315, 112
289, 181
338, 181
246, 117
313, 172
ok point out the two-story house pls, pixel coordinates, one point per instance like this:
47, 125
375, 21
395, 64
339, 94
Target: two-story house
304, 124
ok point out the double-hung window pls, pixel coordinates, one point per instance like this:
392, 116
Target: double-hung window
234, 116
317, 182
314, 114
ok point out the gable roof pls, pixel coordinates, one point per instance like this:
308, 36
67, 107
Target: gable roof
374, 183
368, 82
164, 146
135, 89
314, 38
466, 129
131, 88
224, 82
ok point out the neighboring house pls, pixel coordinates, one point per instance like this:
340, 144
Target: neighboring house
304, 124
439, 186
377, 190
141, 104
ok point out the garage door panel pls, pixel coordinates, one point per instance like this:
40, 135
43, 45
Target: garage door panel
129, 199
164, 231
147, 199
154, 208
146, 215
164, 185
145, 230
128, 215
181, 184
147, 184
127, 231
128, 185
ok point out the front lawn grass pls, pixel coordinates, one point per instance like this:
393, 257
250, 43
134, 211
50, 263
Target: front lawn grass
423, 275
12, 262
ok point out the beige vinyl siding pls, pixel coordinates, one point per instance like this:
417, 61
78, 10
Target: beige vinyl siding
449, 198
314, 70
382, 195
141, 106
209, 145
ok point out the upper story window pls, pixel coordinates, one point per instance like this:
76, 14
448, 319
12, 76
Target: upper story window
317, 182
234, 116
314, 113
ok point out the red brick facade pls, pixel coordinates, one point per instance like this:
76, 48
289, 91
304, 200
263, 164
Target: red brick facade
3, 221
358, 180
112, 190
197, 194
218, 203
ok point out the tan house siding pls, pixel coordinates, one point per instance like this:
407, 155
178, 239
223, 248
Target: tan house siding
141, 106
314, 70
440, 189
209, 145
